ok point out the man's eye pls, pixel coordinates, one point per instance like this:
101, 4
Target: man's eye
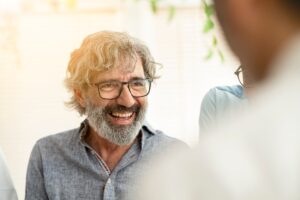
108, 86
138, 83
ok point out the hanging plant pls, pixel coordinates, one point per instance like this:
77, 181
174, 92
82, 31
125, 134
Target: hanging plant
208, 28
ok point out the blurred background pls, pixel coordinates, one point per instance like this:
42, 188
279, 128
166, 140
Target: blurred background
37, 37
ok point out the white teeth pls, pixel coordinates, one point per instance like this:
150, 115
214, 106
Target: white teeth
122, 115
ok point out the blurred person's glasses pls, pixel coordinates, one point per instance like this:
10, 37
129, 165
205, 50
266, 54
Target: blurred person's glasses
112, 89
239, 73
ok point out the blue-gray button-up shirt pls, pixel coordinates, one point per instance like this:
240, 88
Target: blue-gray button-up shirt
64, 166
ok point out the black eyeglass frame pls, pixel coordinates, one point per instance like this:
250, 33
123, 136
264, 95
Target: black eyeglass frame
121, 90
238, 72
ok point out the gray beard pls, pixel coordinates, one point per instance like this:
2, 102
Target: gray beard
117, 134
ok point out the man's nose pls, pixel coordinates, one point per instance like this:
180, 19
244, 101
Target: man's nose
125, 98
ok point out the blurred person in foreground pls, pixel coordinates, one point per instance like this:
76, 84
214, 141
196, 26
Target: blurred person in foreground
109, 77
258, 156
7, 190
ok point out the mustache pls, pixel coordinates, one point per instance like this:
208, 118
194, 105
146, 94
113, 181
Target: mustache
120, 108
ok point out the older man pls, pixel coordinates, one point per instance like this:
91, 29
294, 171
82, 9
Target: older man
109, 77
256, 156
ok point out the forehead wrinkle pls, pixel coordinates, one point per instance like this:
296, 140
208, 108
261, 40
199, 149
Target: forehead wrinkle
119, 73
128, 64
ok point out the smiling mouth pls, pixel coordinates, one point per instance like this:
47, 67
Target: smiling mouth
122, 118
122, 115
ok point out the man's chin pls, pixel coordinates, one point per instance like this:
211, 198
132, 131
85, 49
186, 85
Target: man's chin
121, 134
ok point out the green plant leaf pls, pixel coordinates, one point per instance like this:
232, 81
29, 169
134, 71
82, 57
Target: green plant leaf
214, 41
208, 26
208, 9
221, 55
153, 4
209, 54
171, 12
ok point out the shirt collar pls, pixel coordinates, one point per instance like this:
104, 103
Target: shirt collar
147, 132
83, 130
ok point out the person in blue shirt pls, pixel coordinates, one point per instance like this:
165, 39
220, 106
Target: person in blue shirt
109, 77
222, 100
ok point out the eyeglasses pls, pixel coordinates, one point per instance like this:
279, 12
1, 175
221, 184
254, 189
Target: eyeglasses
112, 89
239, 73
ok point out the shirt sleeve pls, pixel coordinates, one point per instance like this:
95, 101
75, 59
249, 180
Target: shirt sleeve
208, 111
7, 190
35, 186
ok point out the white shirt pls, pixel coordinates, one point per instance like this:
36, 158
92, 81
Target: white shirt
7, 190
254, 158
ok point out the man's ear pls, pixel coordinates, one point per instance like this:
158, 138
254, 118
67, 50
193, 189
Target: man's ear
80, 97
